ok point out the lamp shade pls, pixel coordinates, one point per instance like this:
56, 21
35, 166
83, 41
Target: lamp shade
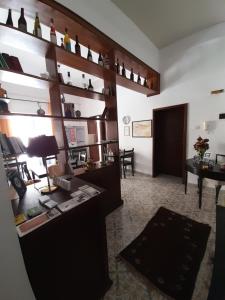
42, 146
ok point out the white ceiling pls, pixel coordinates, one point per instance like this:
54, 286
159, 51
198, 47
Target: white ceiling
165, 21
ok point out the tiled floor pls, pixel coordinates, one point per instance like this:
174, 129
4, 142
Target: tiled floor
142, 196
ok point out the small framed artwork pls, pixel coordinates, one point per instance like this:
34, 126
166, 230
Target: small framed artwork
142, 129
126, 130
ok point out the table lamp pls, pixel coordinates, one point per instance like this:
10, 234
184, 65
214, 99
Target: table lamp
43, 146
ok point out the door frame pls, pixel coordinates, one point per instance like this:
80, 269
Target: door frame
184, 143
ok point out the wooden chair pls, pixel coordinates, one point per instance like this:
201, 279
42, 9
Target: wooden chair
127, 159
220, 159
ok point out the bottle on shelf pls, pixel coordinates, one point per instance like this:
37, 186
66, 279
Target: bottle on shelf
100, 60
9, 20
37, 27
53, 38
106, 61
117, 66
22, 23
132, 74
123, 70
62, 44
89, 55
60, 76
77, 46
62, 97
69, 82
90, 86
84, 84
3, 92
67, 42
139, 79
145, 82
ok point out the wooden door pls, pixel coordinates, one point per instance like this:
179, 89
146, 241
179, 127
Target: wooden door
169, 140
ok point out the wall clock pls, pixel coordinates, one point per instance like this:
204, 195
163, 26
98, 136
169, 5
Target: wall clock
126, 120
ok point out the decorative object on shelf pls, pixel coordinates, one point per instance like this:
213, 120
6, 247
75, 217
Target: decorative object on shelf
100, 60
62, 44
145, 82
77, 46
4, 107
126, 130
201, 146
40, 110
216, 92
45, 75
67, 42
60, 76
142, 129
106, 62
9, 20
89, 55
84, 83
62, 97
90, 86
123, 70
126, 120
37, 27
90, 164
3, 92
69, 110
22, 23
69, 82
43, 146
132, 74
53, 38
117, 66
139, 79
77, 113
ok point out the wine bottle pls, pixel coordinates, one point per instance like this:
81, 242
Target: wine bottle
60, 76
22, 23
90, 86
89, 55
62, 44
117, 66
84, 84
100, 60
132, 74
139, 79
37, 27
9, 20
52, 32
67, 42
69, 82
123, 70
77, 46
145, 82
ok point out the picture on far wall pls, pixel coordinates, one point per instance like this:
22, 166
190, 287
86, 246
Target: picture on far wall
142, 128
126, 130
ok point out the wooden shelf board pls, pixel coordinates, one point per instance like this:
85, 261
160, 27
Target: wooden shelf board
9, 115
25, 79
21, 40
94, 145
77, 91
78, 62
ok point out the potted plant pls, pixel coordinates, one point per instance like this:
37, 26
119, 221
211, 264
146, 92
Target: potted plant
201, 146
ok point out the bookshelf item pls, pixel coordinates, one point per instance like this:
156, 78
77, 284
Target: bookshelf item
69, 82
69, 110
123, 70
22, 23
53, 32
37, 27
89, 55
62, 43
117, 66
90, 86
100, 60
84, 83
3, 92
132, 74
67, 41
40, 110
9, 20
145, 82
77, 46
139, 79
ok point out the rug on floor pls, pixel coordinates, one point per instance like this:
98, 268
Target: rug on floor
168, 252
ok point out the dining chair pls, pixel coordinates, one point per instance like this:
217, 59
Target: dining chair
127, 159
220, 160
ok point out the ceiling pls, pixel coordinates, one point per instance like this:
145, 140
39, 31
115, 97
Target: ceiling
165, 21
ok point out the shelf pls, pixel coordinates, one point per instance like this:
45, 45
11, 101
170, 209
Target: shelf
77, 91
132, 85
78, 62
21, 40
25, 79
94, 145
9, 99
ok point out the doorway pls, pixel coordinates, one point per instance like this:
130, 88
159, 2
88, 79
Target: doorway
169, 140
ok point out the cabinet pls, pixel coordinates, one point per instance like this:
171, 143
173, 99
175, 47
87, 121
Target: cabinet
54, 54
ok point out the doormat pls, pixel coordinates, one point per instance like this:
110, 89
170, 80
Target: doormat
169, 252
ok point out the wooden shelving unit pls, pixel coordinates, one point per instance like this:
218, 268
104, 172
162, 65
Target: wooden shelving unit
80, 92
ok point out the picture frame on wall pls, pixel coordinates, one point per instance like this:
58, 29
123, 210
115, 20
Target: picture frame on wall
126, 130
142, 129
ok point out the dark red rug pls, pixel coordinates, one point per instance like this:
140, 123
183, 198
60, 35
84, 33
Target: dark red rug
169, 252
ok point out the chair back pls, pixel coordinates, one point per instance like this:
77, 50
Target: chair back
128, 155
220, 159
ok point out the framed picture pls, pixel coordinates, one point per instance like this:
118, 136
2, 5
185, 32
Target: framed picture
126, 130
142, 128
